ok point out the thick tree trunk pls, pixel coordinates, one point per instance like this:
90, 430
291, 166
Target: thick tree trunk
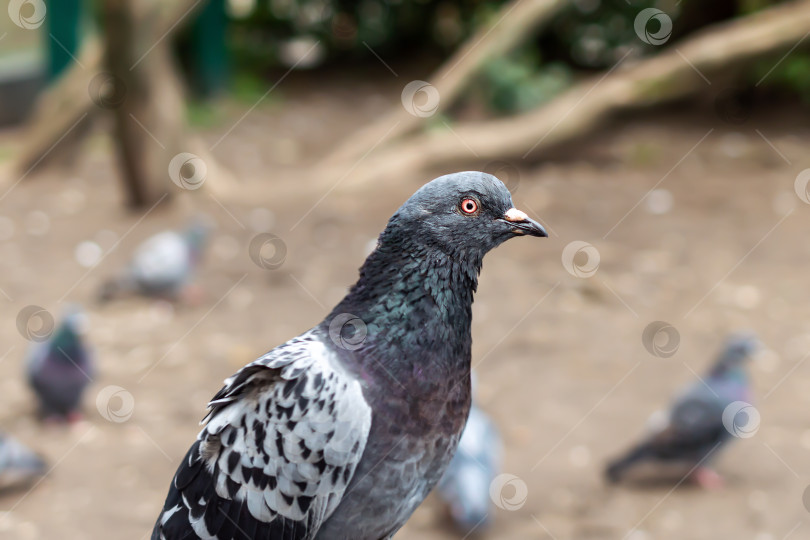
120, 40
136, 81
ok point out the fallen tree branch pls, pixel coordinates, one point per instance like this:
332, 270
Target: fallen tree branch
674, 73
513, 23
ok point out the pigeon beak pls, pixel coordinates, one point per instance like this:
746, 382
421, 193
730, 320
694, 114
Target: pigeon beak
523, 224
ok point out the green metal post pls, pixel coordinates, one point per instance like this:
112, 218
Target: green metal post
209, 60
62, 22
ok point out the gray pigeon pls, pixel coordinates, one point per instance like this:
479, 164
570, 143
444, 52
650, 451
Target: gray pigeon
465, 486
60, 368
686, 441
163, 265
342, 431
19, 466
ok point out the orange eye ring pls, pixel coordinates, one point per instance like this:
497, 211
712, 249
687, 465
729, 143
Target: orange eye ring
468, 206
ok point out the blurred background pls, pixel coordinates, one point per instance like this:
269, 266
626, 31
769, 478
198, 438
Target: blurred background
663, 144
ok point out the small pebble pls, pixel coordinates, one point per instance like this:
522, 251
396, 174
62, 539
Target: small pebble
37, 223
88, 254
659, 201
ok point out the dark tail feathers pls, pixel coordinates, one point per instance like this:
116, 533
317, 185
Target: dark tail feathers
615, 469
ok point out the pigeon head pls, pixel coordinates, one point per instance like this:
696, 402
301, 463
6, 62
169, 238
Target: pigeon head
67, 338
738, 348
74, 320
464, 215
198, 232
426, 263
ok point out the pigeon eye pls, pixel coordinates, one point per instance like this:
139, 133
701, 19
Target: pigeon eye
468, 206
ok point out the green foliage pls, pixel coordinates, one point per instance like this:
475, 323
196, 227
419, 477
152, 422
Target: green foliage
6, 153
202, 114
247, 87
595, 34
588, 36
779, 73
263, 31
750, 6
519, 82
791, 75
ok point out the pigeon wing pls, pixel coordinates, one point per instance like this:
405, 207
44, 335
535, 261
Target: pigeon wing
161, 262
694, 428
283, 439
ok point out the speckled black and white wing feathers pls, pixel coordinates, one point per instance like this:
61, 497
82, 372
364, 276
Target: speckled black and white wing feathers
283, 439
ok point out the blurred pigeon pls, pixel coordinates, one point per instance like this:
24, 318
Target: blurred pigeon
686, 440
60, 368
19, 466
163, 265
464, 488
345, 429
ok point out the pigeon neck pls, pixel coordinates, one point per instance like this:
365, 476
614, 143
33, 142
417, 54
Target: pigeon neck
65, 346
731, 372
195, 238
415, 303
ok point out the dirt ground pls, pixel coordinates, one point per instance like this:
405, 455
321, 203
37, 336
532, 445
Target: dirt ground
721, 244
